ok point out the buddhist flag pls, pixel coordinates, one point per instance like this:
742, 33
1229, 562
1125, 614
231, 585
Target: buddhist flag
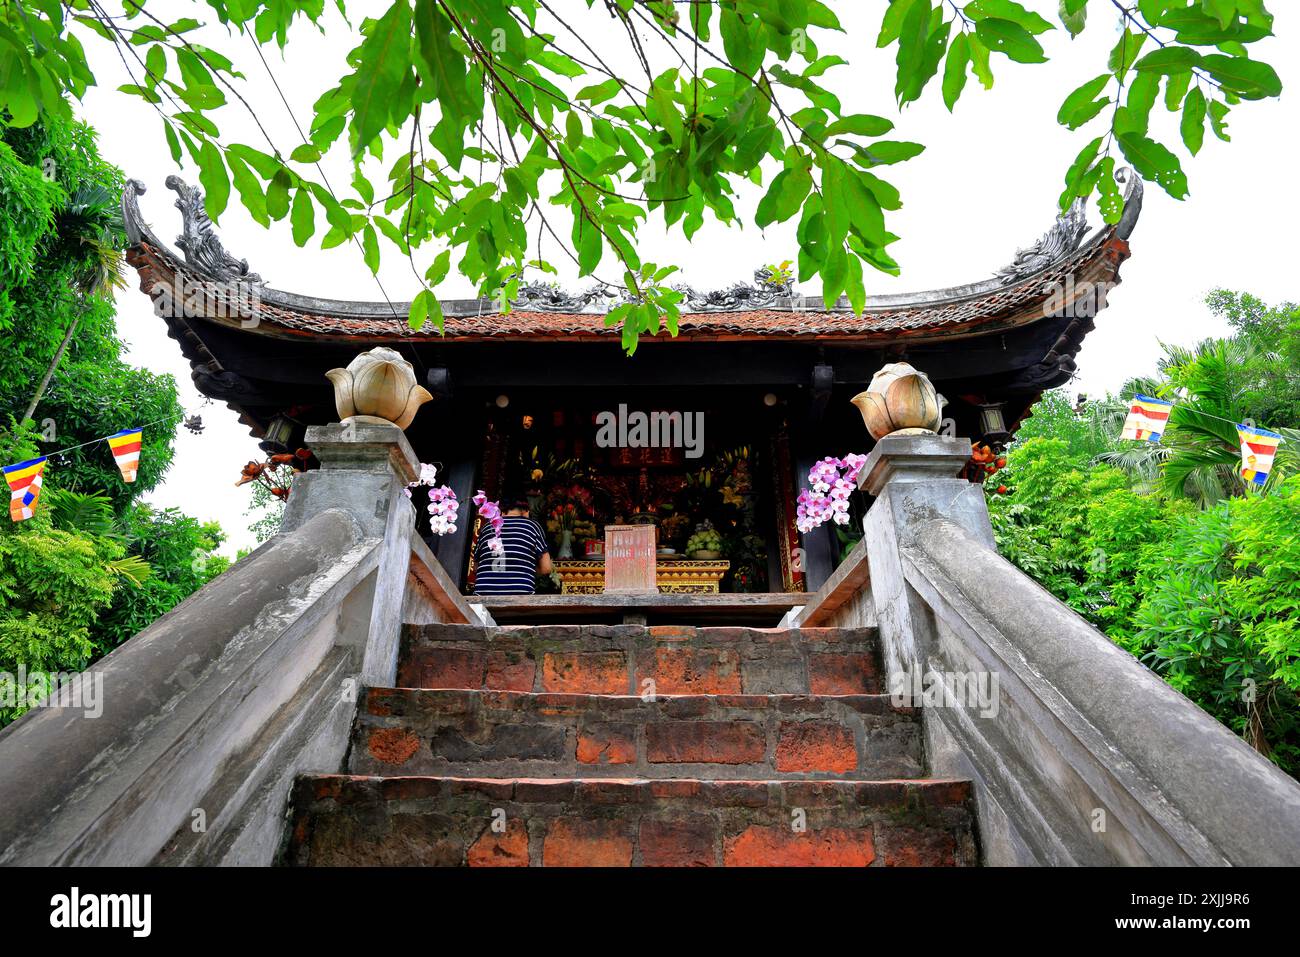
1258, 447
126, 452
25, 487
1146, 419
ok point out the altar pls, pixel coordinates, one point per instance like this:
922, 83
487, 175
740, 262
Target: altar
673, 576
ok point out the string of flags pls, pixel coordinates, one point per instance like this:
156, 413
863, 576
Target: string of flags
1147, 418
25, 479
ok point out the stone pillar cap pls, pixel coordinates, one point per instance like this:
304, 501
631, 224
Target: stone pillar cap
364, 447
913, 458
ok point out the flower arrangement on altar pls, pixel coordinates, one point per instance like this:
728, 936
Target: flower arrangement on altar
833, 481
562, 518
573, 494
443, 505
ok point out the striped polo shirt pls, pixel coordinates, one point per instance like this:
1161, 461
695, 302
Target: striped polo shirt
514, 572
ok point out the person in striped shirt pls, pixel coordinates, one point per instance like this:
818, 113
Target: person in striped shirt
525, 556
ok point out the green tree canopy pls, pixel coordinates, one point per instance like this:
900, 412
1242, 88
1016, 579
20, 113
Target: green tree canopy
94, 565
46, 173
488, 115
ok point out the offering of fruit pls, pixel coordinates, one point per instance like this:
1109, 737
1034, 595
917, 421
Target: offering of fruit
705, 542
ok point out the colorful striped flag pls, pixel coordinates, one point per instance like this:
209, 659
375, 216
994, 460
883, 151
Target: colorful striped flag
126, 452
25, 480
1146, 419
1258, 447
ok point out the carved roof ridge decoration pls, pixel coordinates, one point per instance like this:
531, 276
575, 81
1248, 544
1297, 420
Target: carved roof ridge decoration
541, 296
203, 253
768, 289
198, 239
1065, 236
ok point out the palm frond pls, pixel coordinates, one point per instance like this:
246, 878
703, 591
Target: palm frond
88, 512
132, 569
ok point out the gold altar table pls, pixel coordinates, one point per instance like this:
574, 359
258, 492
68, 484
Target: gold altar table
673, 576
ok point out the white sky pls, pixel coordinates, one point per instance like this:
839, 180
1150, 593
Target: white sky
986, 185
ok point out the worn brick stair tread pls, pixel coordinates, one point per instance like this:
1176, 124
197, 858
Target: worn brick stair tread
554, 745
459, 732
449, 821
621, 659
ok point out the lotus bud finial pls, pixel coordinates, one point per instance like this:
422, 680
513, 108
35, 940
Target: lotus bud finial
899, 400
378, 386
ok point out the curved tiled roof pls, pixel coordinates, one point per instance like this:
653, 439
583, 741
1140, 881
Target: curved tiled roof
1016, 298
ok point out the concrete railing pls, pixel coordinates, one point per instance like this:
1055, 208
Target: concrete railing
1079, 753
207, 716
1089, 756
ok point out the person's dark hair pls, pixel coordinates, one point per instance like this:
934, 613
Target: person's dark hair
512, 501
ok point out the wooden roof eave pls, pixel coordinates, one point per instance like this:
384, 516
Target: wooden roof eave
1096, 259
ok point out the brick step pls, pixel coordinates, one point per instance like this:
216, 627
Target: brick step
620, 659
442, 821
459, 733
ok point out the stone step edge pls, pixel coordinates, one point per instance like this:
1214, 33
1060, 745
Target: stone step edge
615, 790
738, 701
471, 631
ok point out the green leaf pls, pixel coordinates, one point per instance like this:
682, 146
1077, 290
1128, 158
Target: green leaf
250, 190
600, 92
1082, 105
1007, 10
1192, 126
785, 196
1075, 175
860, 124
1154, 163
741, 41
1010, 39
888, 152
853, 284
834, 272
173, 144
1250, 78
587, 240
1134, 115
1110, 200
305, 153
954, 70
382, 62
303, 217
1176, 85
1125, 52
441, 266
1169, 59
370, 247
1074, 16
1218, 120
212, 177
277, 195
419, 311
979, 63
1225, 11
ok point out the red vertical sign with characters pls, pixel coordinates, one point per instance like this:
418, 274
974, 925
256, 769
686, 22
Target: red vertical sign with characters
630, 558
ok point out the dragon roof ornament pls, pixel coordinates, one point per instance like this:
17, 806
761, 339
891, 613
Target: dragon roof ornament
539, 296
1065, 236
198, 239
770, 284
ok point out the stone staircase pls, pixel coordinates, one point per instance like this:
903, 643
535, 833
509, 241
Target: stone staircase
633, 745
